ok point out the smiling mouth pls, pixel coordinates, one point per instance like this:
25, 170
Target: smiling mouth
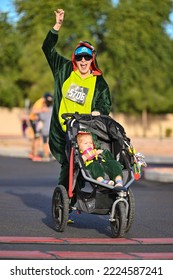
83, 65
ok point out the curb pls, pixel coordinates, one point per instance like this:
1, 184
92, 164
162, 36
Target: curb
164, 175
13, 152
159, 159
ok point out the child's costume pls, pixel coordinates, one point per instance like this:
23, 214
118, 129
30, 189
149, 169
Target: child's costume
104, 164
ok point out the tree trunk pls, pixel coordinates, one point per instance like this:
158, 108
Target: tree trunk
144, 122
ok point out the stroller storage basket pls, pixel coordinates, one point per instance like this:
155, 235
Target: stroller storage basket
99, 202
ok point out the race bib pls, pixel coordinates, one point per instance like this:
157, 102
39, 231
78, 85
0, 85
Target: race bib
77, 94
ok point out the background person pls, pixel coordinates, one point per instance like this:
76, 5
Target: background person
45, 117
24, 121
36, 125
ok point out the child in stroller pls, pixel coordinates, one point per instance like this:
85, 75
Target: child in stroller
99, 162
93, 196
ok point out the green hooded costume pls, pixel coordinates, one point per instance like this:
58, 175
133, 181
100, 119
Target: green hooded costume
92, 93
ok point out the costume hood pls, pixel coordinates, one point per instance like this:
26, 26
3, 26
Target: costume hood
94, 68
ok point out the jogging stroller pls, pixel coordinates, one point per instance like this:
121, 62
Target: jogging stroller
91, 196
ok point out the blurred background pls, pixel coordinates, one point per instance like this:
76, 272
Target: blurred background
134, 43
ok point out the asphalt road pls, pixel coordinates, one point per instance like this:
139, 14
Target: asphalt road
26, 190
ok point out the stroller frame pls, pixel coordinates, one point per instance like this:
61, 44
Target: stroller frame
121, 199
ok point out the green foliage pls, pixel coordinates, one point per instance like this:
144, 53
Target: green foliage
142, 56
10, 93
134, 51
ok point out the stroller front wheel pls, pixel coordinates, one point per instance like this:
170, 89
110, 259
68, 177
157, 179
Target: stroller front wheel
60, 208
118, 226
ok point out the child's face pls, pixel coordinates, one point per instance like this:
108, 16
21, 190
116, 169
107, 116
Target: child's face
86, 142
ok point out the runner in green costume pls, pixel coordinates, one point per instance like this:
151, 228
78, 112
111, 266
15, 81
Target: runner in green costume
78, 87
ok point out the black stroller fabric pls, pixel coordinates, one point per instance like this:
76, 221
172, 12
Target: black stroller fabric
103, 126
111, 133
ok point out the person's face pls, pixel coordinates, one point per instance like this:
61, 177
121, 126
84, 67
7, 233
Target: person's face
86, 142
84, 64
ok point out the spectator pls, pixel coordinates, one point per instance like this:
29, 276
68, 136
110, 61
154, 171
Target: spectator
45, 117
24, 121
36, 127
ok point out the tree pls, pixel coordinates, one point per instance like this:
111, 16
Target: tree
134, 51
10, 93
142, 56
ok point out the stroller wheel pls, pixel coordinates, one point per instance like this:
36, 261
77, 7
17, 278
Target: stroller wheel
131, 212
60, 208
118, 226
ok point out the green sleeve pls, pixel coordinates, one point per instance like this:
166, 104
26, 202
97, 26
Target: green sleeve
102, 99
55, 60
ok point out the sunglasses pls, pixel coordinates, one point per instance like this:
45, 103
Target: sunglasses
86, 57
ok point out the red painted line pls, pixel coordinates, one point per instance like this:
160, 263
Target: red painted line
119, 241
155, 256
97, 241
114, 255
85, 255
25, 239
154, 240
91, 241
24, 255
92, 255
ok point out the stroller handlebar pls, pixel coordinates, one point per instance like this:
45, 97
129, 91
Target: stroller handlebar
67, 116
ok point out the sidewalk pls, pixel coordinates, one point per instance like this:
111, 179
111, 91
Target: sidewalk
14, 146
155, 151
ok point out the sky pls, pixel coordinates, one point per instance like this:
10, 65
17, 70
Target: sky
6, 6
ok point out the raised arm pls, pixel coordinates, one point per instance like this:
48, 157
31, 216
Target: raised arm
54, 59
59, 13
